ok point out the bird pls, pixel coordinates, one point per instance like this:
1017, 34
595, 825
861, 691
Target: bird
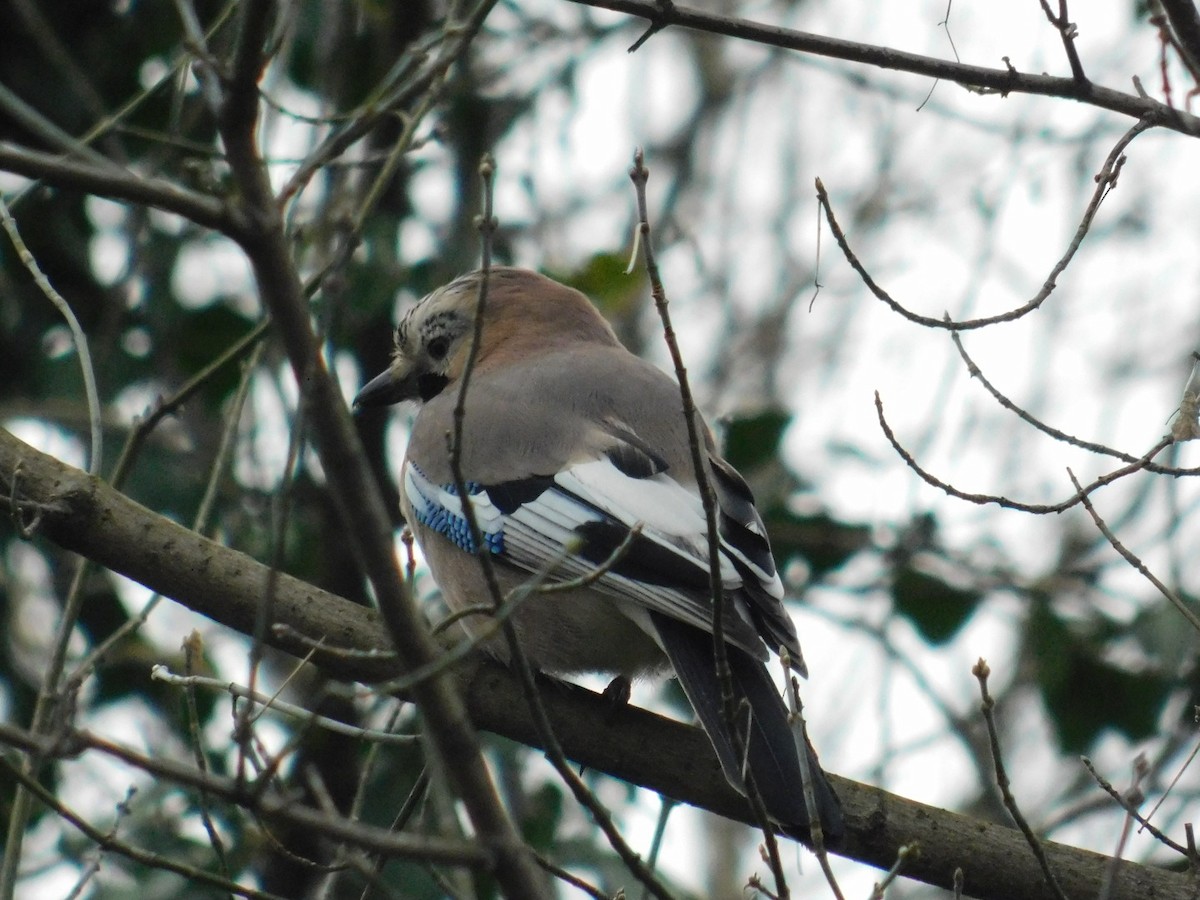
575, 458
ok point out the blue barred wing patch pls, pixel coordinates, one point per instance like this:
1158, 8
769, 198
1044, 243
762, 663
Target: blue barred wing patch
439, 508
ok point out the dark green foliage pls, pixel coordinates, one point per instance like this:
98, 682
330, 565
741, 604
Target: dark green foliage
1084, 692
754, 441
936, 608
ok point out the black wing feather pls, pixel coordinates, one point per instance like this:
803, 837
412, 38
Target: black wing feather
771, 756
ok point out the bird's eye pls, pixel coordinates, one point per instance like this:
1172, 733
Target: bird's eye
437, 348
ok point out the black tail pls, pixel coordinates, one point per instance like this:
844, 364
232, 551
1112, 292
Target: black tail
771, 757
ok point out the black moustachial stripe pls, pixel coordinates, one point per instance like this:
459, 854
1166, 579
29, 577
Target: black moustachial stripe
429, 385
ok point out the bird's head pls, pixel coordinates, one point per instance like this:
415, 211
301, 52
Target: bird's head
525, 314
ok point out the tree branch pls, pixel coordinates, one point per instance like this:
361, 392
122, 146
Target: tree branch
118, 184
266, 246
269, 805
1106, 181
83, 514
1000, 81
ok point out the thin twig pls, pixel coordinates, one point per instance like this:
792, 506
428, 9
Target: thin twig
162, 673
981, 672
474, 853
192, 646
1184, 766
78, 338
1133, 559
368, 530
208, 72
416, 796
904, 854
224, 454
574, 880
1068, 32
157, 193
409, 84
107, 123
1037, 508
1106, 180
46, 132
808, 777
1108, 788
103, 839
52, 712
50, 704
639, 174
486, 223
284, 630
281, 504
172, 403
536, 584
975, 372
497, 616
1134, 797
124, 807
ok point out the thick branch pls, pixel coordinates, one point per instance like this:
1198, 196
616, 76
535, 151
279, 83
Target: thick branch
83, 514
344, 462
429, 848
1001, 81
117, 184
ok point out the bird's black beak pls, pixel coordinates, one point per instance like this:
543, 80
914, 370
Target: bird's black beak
384, 390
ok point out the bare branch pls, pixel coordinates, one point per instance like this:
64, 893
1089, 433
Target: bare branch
981, 672
90, 518
1040, 509
369, 528
639, 174
78, 338
267, 804
1106, 180
1132, 558
162, 673
1068, 31
411, 83
1000, 81
1049, 430
49, 133
1108, 788
109, 842
117, 184
486, 224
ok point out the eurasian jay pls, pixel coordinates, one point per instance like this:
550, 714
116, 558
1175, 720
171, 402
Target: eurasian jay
569, 442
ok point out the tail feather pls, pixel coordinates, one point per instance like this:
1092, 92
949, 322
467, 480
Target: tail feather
771, 755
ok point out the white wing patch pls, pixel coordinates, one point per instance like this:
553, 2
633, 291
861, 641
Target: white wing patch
669, 513
554, 513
